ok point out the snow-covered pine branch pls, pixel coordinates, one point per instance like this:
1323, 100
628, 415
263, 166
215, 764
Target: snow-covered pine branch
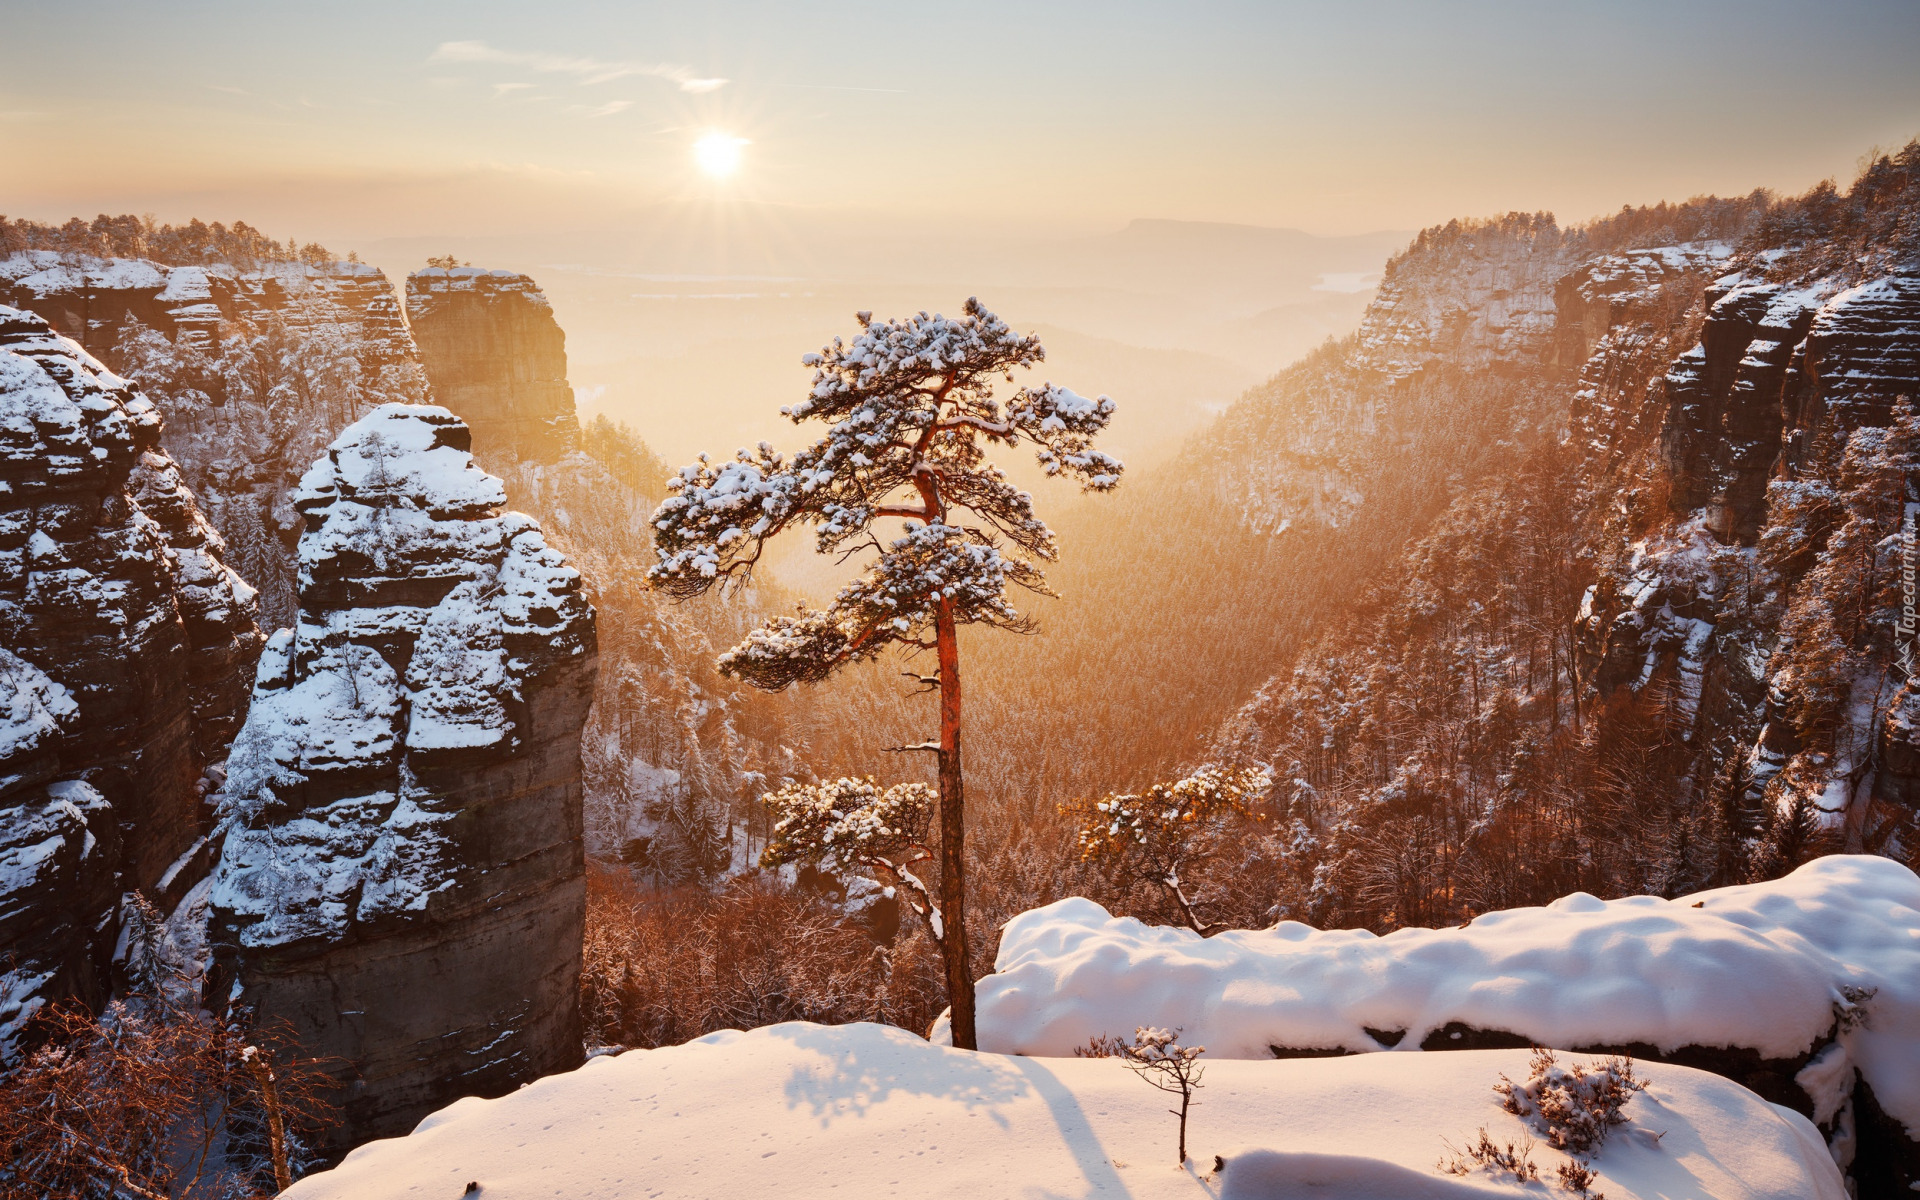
907, 403
1151, 837
893, 602
851, 827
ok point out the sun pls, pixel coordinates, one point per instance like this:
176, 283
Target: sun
718, 153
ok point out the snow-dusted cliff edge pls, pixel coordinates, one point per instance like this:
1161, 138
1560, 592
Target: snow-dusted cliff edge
402, 879
125, 643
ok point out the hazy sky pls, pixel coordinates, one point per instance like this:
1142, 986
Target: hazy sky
363, 120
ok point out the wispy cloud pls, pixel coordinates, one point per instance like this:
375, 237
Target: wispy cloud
501, 89
840, 87
605, 110
586, 70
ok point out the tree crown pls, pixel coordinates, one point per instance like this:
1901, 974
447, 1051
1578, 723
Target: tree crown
908, 404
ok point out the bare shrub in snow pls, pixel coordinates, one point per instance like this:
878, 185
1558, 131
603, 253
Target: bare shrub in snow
1101, 1045
156, 1099
1154, 837
1514, 1158
1579, 1178
667, 966
1157, 1056
1575, 1105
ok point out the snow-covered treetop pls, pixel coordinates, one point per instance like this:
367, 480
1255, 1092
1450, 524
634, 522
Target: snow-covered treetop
1168, 813
908, 404
853, 826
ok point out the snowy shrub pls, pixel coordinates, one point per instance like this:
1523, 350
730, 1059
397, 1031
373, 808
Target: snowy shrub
1575, 1105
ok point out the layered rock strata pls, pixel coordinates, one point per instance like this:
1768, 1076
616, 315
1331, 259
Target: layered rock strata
1782, 377
125, 646
497, 357
403, 875
254, 369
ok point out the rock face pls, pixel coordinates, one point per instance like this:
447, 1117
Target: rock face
1783, 372
125, 646
1477, 293
403, 876
496, 356
254, 369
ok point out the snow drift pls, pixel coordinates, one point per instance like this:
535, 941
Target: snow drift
1830, 954
801, 1111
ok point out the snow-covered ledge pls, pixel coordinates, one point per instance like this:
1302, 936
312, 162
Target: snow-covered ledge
1813, 979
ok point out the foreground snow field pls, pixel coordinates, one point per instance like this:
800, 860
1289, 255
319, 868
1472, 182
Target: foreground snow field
867, 1111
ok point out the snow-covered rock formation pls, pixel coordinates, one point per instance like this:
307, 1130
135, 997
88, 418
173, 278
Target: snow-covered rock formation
1806, 990
497, 357
1786, 370
402, 873
254, 367
1475, 293
125, 646
804, 1111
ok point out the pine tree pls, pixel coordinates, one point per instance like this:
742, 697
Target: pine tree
908, 403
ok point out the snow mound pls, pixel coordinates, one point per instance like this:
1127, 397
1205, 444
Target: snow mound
801, 1111
1830, 951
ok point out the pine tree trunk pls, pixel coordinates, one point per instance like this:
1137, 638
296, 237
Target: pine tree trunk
953, 871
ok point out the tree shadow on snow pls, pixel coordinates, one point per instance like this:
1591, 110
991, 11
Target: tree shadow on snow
866, 1064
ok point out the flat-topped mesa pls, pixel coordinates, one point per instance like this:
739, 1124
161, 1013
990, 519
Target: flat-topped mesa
1477, 294
125, 648
496, 356
402, 878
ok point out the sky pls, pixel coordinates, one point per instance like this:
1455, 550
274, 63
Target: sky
356, 121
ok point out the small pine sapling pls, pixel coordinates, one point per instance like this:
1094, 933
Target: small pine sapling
1157, 1056
851, 827
908, 404
1152, 838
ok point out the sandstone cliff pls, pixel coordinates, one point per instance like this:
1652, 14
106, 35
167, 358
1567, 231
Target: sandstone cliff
497, 357
125, 646
402, 876
254, 369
